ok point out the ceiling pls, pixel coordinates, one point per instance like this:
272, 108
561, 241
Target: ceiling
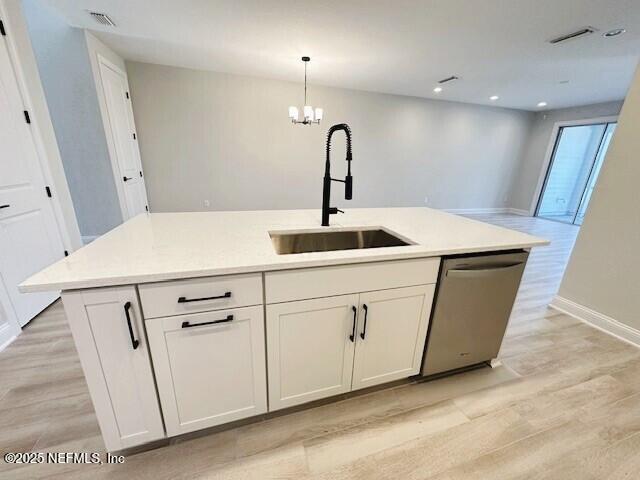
496, 47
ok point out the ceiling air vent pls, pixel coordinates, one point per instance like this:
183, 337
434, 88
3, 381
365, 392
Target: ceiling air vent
570, 36
448, 79
102, 19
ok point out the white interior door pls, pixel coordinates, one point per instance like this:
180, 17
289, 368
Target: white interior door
129, 178
29, 236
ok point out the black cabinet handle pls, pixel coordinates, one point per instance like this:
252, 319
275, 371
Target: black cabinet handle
5, 206
352, 337
224, 320
134, 342
126, 178
366, 312
187, 300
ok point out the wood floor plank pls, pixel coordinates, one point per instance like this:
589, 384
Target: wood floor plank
530, 457
330, 451
429, 455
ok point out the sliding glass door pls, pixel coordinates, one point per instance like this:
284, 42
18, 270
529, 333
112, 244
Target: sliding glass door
577, 157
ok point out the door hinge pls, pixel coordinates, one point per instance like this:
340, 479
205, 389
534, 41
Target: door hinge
2, 30
66, 254
134, 136
140, 173
48, 190
27, 118
127, 94
146, 207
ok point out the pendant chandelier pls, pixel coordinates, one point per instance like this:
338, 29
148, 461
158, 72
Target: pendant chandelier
310, 115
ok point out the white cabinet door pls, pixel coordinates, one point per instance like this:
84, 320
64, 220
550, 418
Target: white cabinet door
310, 353
107, 328
210, 367
391, 334
29, 236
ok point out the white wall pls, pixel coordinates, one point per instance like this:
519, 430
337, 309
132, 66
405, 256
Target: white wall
65, 72
602, 273
524, 192
227, 139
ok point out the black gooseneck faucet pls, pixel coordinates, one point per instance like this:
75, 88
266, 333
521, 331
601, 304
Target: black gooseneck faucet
348, 180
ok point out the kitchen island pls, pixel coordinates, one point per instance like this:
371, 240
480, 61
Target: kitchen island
185, 321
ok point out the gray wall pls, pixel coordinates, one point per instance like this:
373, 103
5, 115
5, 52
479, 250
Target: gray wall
65, 72
227, 139
603, 270
525, 183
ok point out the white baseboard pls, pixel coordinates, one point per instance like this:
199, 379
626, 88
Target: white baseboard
597, 320
7, 335
88, 238
472, 211
518, 211
479, 211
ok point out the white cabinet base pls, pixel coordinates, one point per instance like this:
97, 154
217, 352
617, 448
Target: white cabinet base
210, 365
327, 346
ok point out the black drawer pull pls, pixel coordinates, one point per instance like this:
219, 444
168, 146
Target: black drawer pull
187, 300
352, 337
5, 206
224, 320
366, 312
134, 342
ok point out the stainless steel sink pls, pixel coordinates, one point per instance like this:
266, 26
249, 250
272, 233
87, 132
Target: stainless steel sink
304, 242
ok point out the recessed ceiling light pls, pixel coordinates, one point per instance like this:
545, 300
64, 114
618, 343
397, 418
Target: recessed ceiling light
542, 104
614, 33
494, 98
437, 89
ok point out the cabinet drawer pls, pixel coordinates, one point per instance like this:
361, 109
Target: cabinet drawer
210, 367
200, 295
305, 283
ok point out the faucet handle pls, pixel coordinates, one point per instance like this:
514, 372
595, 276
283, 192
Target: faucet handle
348, 187
334, 210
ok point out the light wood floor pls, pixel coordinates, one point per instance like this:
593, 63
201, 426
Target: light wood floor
566, 405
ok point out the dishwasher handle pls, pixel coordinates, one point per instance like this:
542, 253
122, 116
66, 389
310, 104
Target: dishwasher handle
480, 272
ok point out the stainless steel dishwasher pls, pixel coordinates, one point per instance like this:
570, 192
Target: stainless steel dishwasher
473, 303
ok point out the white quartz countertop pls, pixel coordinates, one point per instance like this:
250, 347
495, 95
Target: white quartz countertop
167, 246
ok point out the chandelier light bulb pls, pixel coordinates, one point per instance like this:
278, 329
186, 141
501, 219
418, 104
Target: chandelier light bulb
308, 113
